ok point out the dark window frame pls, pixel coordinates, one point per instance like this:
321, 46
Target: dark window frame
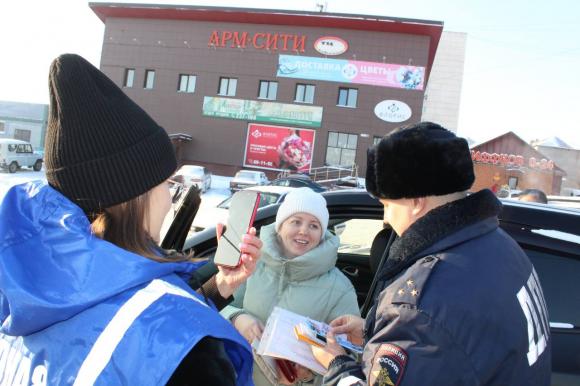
349, 147
351, 96
269, 90
228, 86
149, 73
129, 81
188, 78
304, 93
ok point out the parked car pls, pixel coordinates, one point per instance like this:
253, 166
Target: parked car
298, 181
246, 178
15, 154
189, 175
210, 217
549, 235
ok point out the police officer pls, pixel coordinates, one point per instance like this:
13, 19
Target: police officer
458, 301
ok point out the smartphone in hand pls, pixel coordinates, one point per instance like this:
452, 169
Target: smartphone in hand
240, 219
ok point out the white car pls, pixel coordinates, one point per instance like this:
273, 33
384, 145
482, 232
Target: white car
209, 217
15, 154
246, 178
189, 175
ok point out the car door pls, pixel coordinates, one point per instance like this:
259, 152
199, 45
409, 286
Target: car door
555, 255
356, 228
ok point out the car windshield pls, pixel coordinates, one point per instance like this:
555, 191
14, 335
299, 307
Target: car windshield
247, 175
195, 170
265, 199
268, 199
225, 204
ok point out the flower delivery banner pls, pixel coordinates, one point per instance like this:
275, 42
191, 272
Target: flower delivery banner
248, 110
279, 148
351, 71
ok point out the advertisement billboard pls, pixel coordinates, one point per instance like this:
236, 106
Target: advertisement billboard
269, 112
279, 148
351, 71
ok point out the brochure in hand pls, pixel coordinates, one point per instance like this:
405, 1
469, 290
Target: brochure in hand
288, 335
314, 333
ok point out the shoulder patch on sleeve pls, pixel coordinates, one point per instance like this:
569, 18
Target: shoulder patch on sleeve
408, 288
388, 366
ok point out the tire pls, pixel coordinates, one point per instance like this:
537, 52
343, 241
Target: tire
13, 167
37, 165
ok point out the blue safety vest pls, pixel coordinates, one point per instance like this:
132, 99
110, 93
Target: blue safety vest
77, 310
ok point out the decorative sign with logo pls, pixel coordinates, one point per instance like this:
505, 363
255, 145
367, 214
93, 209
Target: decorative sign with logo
258, 40
248, 110
393, 111
330, 45
351, 71
511, 160
279, 148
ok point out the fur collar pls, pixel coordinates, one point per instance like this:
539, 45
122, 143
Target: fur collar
440, 223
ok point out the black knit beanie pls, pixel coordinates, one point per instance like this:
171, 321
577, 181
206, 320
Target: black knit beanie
101, 148
418, 161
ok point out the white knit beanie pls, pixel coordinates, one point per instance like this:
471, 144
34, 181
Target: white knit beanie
303, 200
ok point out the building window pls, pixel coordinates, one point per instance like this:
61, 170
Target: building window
513, 183
228, 86
129, 77
268, 90
186, 83
304, 93
347, 97
23, 135
341, 149
376, 140
149, 79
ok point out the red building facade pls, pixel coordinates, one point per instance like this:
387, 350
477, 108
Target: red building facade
509, 160
324, 86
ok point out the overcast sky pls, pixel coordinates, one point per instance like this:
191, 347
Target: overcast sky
522, 69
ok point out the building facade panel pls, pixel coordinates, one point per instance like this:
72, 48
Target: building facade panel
210, 51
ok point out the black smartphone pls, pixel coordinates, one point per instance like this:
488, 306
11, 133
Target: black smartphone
240, 219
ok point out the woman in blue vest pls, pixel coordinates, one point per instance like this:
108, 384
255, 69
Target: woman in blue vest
86, 295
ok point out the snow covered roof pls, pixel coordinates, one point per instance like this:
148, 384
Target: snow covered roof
554, 142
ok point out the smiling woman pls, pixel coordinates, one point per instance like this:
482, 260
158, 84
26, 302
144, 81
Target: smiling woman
297, 272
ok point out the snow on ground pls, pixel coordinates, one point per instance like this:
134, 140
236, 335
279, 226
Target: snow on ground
8, 180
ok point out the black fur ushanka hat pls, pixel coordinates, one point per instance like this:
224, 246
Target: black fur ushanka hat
420, 160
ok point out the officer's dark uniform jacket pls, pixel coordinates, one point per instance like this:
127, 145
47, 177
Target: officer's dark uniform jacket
459, 304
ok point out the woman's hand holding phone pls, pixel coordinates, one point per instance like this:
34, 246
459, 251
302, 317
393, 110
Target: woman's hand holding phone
228, 279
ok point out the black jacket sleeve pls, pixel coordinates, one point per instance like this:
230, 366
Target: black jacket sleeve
206, 364
210, 290
407, 348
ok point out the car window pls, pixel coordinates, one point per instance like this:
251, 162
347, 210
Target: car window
282, 183
357, 235
297, 183
249, 175
198, 170
225, 204
268, 199
559, 278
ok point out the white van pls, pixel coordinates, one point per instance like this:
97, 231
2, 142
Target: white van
15, 154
